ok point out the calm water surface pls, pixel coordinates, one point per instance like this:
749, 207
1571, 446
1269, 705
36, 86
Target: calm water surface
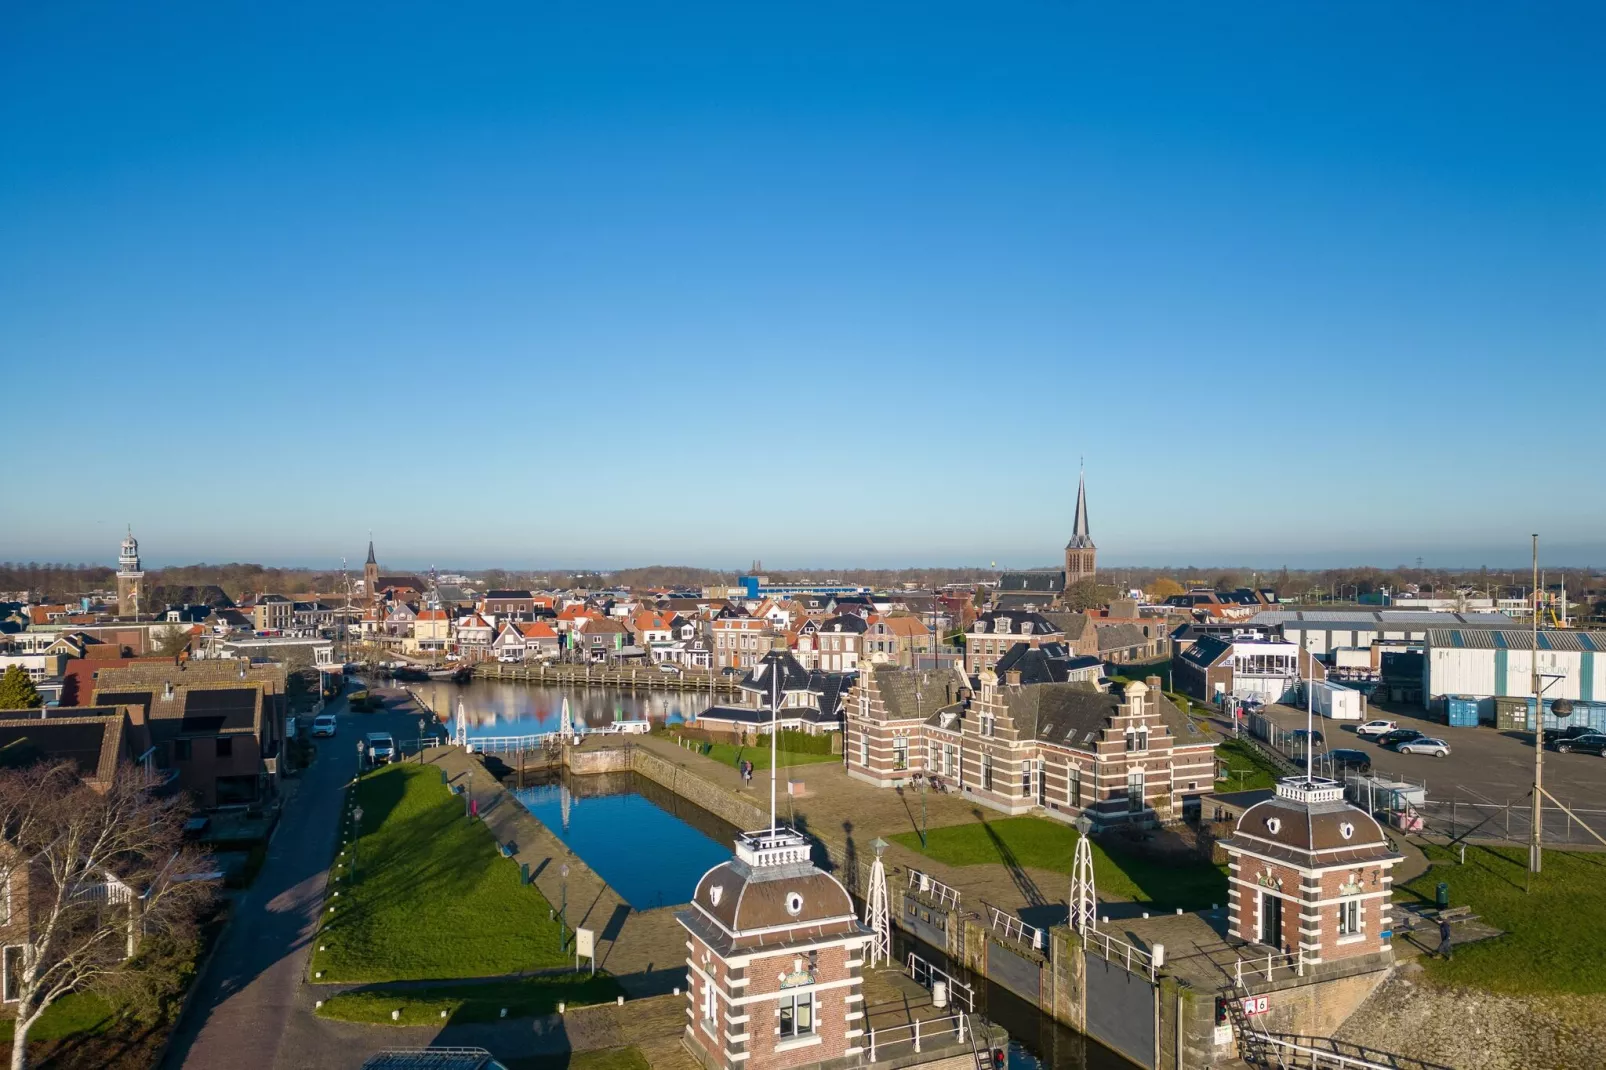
506, 708
649, 845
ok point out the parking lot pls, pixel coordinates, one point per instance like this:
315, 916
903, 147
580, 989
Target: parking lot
1483, 766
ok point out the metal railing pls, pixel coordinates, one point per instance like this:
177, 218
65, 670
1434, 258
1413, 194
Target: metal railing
1460, 818
1114, 949
927, 885
927, 976
1264, 967
1292, 1053
1012, 928
510, 744
918, 1032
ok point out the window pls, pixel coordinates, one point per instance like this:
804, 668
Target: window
181, 750
987, 724
11, 967
1042, 783
931, 756
948, 767
900, 752
1074, 792
1134, 791
710, 1001
797, 1015
1026, 780
1349, 917
987, 772
1137, 739
864, 749
225, 747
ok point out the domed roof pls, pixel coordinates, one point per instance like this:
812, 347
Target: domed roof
1309, 823
744, 899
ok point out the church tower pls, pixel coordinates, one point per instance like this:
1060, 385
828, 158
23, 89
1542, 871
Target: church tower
130, 580
370, 575
1081, 556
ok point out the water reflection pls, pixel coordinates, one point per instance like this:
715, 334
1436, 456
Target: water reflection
650, 845
506, 708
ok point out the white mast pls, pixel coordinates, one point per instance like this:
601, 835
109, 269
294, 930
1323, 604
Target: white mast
876, 913
462, 725
1084, 896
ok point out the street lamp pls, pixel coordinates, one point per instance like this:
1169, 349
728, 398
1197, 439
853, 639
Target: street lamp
563, 906
421, 741
356, 835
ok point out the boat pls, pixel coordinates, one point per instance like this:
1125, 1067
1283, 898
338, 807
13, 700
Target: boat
459, 674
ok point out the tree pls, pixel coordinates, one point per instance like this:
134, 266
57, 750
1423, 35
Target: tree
1087, 594
17, 691
173, 641
106, 871
1164, 588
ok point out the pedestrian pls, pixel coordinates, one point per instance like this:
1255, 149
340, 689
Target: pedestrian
474, 807
1444, 938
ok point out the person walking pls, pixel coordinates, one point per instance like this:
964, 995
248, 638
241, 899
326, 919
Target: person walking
1445, 951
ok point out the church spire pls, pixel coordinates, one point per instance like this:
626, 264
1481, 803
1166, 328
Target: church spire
374, 561
1080, 536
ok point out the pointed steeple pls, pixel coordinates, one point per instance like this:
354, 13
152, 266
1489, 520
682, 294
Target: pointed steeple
374, 561
1081, 539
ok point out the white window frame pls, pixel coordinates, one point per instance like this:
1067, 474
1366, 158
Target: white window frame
1351, 913
796, 1001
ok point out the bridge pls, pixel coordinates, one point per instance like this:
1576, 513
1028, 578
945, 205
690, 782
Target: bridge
633, 678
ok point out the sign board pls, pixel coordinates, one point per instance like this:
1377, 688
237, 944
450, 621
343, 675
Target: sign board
1223, 1035
585, 943
1256, 1004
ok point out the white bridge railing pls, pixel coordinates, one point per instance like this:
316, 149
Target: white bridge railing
927, 885
1012, 928
509, 744
1264, 967
928, 976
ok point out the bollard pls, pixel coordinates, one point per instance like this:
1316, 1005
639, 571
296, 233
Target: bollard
503, 1014
1179, 910
1145, 913
677, 990
560, 1006
317, 975
1157, 955
621, 1001
323, 947
395, 1016
316, 1004
443, 1014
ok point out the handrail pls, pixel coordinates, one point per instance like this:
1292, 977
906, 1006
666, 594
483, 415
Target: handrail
1016, 929
931, 1026
927, 885
956, 989
1115, 949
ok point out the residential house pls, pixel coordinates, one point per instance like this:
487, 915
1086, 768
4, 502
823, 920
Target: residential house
432, 633
472, 636
841, 642
219, 724
599, 639
509, 642
652, 631
307, 618
992, 634
738, 642
896, 640
807, 701
272, 613
1215, 669
520, 604
540, 640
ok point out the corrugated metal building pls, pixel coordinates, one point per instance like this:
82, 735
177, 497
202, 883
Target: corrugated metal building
1323, 630
1487, 663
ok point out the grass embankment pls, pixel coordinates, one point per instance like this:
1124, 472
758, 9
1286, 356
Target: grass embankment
1554, 940
1246, 768
1038, 843
470, 1002
432, 897
732, 754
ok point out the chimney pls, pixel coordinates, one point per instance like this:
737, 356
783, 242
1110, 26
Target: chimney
1012, 677
1153, 682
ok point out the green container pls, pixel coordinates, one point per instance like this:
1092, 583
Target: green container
1441, 896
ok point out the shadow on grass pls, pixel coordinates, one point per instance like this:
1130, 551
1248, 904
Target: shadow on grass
1017, 873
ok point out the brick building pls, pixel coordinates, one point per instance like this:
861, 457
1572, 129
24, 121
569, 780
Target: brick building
738, 642
1310, 873
991, 635
1032, 738
775, 961
896, 640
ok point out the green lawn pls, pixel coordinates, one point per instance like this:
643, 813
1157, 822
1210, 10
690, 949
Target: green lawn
731, 755
1242, 758
465, 1002
1554, 940
1039, 843
432, 898
71, 1015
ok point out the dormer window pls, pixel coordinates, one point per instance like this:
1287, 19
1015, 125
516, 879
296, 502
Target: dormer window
1137, 739
1026, 627
1002, 626
981, 626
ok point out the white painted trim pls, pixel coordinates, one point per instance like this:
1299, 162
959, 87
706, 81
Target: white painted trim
799, 1042
800, 990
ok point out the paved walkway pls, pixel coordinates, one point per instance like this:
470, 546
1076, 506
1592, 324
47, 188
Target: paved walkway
248, 994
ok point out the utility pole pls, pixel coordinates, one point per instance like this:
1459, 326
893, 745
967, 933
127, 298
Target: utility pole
1536, 832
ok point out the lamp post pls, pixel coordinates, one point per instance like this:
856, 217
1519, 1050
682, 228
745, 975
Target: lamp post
421, 723
356, 836
563, 905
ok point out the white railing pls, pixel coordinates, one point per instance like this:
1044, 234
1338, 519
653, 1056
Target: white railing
927, 976
1114, 949
918, 1032
1012, 928
509, 744
927, 885
1291, 1054
1264, 967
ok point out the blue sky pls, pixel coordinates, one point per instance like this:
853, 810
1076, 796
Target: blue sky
605, 284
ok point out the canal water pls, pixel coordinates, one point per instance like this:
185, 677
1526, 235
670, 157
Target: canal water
509, 708
650, 845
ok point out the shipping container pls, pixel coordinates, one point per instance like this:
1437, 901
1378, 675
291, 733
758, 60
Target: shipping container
1461, 711
1588, 714
1336, 701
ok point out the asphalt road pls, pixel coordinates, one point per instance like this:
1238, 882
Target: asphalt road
241, 1014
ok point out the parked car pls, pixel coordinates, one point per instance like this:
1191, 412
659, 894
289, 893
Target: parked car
1557, 735
1300, 734
673, 670
323, 725
1398, 736
1373, 729
1587, 743
364, 701
1424, 745
510, 659
381, 748
730, 671
1344, 760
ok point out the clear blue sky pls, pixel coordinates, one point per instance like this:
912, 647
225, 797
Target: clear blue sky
817, 283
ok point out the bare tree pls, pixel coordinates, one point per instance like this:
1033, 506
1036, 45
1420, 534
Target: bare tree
89, 871
172, 641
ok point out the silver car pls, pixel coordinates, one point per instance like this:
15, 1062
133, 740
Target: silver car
1424, 745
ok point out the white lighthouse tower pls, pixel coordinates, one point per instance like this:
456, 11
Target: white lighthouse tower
130, 580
